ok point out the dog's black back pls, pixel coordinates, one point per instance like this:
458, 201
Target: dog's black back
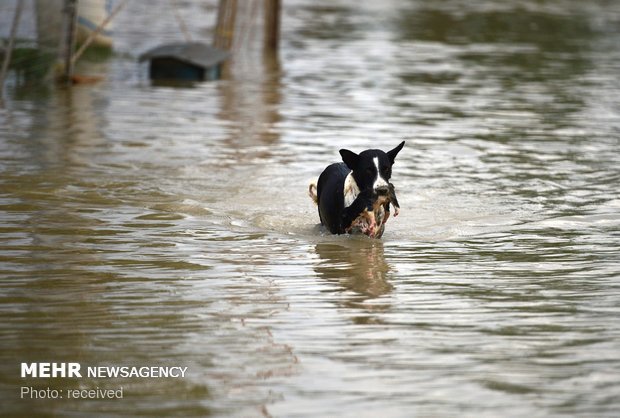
330, 193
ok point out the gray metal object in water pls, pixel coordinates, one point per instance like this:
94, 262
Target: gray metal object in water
185, 61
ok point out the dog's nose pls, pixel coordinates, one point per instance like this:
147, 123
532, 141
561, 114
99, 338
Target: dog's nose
382, 190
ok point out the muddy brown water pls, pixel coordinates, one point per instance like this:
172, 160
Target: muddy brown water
160, 226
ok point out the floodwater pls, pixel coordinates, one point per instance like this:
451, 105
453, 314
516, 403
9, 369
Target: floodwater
159, 226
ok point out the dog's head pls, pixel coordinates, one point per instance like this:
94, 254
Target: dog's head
371, 168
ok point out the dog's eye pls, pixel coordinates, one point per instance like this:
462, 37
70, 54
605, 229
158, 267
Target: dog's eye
369, 170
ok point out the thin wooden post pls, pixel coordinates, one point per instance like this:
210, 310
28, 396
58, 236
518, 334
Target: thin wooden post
225, 27
9, 47
70, 26
272, 25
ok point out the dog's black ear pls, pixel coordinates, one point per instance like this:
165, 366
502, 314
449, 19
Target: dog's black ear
392, 153
350, 158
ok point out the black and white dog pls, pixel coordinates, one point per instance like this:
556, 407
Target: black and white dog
355, 196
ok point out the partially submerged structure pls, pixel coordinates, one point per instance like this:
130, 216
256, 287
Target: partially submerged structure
185, 61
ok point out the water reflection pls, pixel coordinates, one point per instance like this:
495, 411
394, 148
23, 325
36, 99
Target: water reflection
493, 22
357, 265
250, 104
154, 225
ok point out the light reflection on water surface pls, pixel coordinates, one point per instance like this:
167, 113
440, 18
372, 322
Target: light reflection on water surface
150, 225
